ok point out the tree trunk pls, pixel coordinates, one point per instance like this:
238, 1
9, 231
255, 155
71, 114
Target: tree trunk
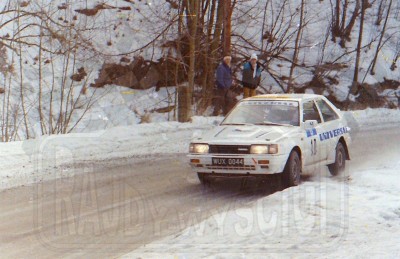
379, 15
40, 109
378, 47
394, 61
335, 21
263, 25
209, 67
226, 46
344, 15
296, 49
360, 35
24, 112
215, 50
339, 19
186, 93
349, 27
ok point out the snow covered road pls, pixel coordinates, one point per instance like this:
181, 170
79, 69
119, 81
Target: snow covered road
351, 216
155, 206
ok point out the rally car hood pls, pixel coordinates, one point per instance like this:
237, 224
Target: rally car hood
247, 134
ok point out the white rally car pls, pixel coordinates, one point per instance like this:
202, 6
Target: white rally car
273, 134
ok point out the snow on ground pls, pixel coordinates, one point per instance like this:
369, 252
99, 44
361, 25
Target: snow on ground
350, 216
119, 106
25, 162
372, 119
324, 218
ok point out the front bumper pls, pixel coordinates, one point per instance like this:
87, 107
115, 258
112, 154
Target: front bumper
253, 164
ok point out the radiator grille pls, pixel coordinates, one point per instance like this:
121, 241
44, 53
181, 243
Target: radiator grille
229, 149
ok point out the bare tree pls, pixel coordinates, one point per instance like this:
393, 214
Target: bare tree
296, 47
381, 9
340, 27
228, 6
19, 30
364, 6
37, 26
185, 93
378, 47
396, 57
280, 32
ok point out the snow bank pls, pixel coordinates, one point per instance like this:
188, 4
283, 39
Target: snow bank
30, 161
372, 119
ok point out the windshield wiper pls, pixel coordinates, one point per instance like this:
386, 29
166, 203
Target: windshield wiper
273, 123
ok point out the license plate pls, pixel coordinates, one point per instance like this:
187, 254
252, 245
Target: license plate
224, 161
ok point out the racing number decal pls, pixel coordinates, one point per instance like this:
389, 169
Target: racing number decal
313, 147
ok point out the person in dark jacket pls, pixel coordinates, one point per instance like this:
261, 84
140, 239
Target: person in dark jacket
223, 95
251, 76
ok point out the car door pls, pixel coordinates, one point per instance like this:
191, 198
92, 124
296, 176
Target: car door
315, 149
332, 129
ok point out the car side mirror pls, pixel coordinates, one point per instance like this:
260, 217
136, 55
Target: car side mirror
309, 124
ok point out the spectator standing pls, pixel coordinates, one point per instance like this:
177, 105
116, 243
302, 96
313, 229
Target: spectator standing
251, 76
223, 95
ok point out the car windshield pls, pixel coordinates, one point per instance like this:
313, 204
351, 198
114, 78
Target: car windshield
281, 113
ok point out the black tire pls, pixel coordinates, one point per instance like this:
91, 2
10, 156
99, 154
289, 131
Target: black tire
340, 160
292, 171
202, 178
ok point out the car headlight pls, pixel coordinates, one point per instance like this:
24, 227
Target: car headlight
198, 148
264, 149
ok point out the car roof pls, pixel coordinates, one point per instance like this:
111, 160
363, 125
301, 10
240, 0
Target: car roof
287, 97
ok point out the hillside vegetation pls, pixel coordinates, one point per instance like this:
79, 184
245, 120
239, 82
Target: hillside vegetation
58, 58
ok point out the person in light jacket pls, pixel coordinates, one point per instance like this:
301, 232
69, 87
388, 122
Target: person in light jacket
251, 76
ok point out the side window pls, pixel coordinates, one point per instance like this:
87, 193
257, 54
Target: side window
310, 112
327, 112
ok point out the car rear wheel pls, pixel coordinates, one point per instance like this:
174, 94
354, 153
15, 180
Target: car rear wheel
292, 171
340, 160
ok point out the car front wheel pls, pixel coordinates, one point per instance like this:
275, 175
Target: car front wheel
292, 171
340, 160
202, 178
